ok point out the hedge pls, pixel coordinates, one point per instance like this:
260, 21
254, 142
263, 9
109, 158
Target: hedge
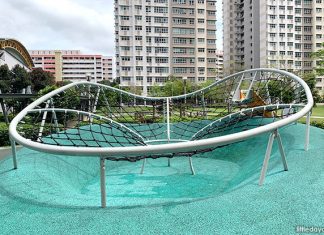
27, 129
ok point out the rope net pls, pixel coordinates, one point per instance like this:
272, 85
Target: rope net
94, 115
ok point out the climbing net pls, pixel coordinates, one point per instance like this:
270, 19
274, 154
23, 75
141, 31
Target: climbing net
94, 119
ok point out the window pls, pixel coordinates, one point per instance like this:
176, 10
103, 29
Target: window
161, 70
138, 17
200, 30
201, 11
160, 10
201, 40
161, 40
125, 28
161, 30
124, 17
138, 38
161, 60
138, 27
161, 50
161, 20
138, 7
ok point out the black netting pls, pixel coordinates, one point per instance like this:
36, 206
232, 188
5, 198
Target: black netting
91, 115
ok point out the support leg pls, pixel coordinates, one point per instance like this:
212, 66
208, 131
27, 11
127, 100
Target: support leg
191, 166
282, 152
307, 131
103, 182
143, 165
266, 159
14, 152
169, 162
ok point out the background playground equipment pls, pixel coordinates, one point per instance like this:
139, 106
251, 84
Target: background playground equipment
89, 119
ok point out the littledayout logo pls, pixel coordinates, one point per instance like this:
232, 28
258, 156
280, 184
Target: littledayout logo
309, 229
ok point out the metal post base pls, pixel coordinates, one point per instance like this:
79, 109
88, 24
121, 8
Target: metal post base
14, 153
274, 135
103, 182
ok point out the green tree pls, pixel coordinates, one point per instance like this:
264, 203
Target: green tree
177, 87
5, 79
310, 79
20, 79
319, 56
157, 91
40, 79
113, 83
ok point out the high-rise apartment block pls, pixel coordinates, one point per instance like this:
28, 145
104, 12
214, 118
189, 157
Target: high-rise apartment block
72, 65
272, 33
156, 39
219, 64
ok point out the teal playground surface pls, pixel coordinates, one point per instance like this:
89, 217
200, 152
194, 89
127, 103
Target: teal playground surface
50, 194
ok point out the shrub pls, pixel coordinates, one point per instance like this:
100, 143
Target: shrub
4, 134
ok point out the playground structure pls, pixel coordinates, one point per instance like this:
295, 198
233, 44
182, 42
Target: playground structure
89, 119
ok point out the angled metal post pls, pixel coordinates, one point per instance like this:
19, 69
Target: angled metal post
281, 149
14, 152
191, 166
266, 159
143, 165
168, 124
307, 131
103, 181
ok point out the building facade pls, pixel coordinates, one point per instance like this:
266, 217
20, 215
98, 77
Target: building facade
156, 39
272, 33
219, 64
13, 53
72, 65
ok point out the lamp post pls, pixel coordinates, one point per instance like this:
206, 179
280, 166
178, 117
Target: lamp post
185, 87
88, 77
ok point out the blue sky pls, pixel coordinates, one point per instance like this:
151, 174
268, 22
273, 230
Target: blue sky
86, 25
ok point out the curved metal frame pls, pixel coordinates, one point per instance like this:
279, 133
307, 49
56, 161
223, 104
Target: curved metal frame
157, 149
170, 147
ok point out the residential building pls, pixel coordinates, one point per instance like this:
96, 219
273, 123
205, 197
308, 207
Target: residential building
219, 64
272, 33
107, 68
72, 65
156, 39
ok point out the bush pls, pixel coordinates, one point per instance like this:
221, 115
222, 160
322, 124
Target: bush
4, 134
318, 124
24, 129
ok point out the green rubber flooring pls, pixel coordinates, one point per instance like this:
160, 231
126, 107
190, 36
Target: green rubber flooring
51, 194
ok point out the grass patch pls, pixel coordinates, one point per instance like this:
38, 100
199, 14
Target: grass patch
318, 111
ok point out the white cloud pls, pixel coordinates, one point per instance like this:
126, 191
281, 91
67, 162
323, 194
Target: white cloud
87, 25
60, 24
